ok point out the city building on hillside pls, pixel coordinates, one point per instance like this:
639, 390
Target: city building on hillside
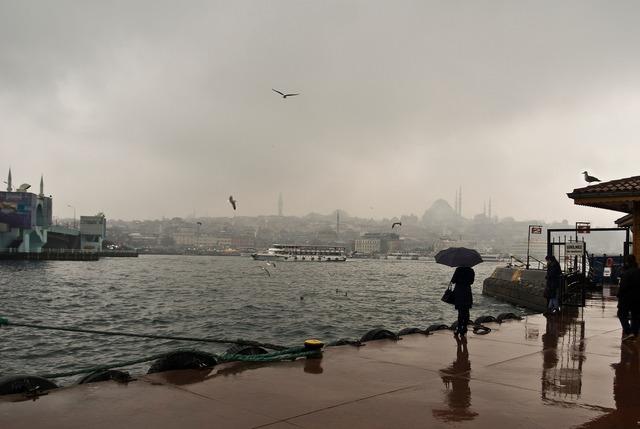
445, 243
537, 250
185, 237
372, 243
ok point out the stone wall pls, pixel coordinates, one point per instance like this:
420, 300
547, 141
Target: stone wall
517, 286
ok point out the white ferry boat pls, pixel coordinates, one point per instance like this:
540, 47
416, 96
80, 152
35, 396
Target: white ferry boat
295, 253
403, 255
495, 257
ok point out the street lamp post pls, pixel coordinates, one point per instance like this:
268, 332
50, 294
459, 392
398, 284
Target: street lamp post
74, 215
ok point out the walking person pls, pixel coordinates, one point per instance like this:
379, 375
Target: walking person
629, 299
554, 276
463, 278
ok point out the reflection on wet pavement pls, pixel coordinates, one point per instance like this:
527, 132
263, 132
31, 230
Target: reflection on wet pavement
456, 380
563, 355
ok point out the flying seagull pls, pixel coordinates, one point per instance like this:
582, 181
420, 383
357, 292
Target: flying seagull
273, 264
283, 94
588, 178
396, 223
266, 271
232, 201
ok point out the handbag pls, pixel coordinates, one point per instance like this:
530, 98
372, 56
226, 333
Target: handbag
448, 296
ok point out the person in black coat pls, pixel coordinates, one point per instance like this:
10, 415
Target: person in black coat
554, 276
463, 278
629, 298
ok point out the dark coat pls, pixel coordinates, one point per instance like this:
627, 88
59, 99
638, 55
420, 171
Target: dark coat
463, 278
629, 292
554, 274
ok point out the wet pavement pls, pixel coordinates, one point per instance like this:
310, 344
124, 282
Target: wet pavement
567, 370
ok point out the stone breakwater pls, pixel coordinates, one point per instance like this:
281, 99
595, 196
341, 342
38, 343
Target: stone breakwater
517, 286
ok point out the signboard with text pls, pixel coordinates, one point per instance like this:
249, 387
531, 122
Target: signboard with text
574, 248
535, 233
583, 227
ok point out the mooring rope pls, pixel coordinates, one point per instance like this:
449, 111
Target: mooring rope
4, 321
281, 355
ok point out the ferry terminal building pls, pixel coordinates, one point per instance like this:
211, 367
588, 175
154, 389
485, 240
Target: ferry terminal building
621, 195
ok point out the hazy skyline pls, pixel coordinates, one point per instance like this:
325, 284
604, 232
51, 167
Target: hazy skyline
152, 108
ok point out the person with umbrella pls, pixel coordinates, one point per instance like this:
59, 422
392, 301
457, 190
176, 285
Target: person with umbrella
463, 277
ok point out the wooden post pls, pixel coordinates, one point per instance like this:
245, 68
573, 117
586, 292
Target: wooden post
635, 229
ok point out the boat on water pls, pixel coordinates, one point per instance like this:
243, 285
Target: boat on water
299, 253
495, 257
403, 255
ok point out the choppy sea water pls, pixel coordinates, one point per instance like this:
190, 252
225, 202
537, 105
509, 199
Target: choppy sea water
201, 296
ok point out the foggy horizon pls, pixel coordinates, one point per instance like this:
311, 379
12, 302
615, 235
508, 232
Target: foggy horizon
147, 110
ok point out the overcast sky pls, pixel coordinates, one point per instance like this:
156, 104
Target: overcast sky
149, 109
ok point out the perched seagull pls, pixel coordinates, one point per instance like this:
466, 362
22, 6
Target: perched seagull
266, 271
283, 94
232, 201
396, 223
588, 178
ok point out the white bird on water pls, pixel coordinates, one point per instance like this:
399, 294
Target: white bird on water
589, 179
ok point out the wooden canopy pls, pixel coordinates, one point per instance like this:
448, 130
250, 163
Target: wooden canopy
622, 195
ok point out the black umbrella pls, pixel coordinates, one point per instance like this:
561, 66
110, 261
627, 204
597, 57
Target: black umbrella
458, 257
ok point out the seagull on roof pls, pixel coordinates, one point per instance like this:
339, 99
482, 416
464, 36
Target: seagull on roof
232, 201
283, 94
396, 223
588, 178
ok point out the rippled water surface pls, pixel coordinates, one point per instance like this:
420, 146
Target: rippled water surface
203, 296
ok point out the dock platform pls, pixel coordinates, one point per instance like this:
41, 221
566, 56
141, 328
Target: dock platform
560, 371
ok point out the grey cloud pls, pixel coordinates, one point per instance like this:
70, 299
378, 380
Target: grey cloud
401, 102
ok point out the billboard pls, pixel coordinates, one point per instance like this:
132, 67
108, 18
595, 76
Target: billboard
24, 210
16, 209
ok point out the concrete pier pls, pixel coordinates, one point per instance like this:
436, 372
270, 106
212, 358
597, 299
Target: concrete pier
568, 370
517, 286
51, 255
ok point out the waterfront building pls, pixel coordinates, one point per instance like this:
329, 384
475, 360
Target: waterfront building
24, 218
93, 231
367, 246
621, 195
377, 243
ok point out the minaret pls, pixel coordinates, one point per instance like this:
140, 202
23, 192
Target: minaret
280, 205
484, 209
337, 224
489, 208
9, 188
41, 194
460, 201
455, 203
